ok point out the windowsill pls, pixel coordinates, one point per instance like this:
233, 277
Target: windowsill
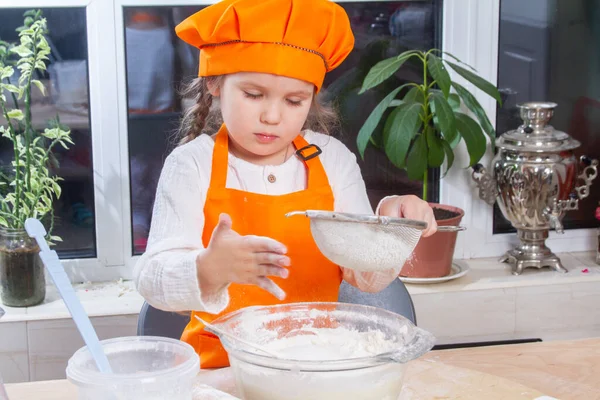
98, 300
121, 298
489, 273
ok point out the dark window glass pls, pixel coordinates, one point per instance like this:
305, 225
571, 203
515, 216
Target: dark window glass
552, 53
67, 84
158, 62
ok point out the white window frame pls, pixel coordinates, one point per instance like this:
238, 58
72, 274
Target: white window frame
130, 260
470, 32
108, 178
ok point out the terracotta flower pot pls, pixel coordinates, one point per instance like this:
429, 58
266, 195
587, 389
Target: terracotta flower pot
432, 258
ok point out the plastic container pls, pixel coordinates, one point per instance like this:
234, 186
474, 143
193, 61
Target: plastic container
144, 368
261, 377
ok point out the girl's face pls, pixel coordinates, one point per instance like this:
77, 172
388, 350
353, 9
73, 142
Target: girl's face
263, 114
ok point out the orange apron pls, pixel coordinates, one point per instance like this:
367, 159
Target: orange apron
312, 277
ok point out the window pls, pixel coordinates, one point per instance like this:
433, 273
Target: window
123, 138
382, 29
475, 38
551, 52
158, 63
67, 83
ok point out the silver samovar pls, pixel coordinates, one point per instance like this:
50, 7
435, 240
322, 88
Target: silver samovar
536, 179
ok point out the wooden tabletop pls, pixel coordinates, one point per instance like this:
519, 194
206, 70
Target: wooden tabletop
564, 370
423, 381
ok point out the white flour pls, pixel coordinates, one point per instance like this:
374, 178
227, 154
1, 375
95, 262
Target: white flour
307, 343
364, 247
322, 350
330, 344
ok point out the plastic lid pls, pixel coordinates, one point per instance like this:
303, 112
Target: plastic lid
172, 359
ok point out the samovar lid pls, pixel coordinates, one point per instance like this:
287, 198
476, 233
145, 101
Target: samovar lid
535, 135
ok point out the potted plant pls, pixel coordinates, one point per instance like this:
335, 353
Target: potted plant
27, 184
424, 122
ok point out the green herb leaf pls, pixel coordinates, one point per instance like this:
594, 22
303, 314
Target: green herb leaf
417, 159
444, 114
449, 156
362, 140
400, 128
458, 60
473, 136
476, 80
22, 51
454, 101
6, 72
384, 69
475, 107
39, 85
15, 114
438, 71
414, 95
11, 88
436, 150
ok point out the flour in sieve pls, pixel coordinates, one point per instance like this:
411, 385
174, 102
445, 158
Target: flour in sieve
365, 247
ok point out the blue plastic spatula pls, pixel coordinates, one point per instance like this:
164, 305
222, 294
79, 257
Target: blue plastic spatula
36, 230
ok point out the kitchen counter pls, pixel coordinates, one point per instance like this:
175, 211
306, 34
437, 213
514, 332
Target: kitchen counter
424, 381
562, 369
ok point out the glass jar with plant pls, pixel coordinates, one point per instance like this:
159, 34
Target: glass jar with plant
27, 184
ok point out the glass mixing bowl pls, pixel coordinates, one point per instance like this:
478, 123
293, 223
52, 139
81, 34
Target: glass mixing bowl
263, 377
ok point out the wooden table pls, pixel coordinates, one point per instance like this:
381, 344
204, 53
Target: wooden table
562, 369
565, 370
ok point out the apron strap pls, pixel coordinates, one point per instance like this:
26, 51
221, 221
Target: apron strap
308, 153
220, 163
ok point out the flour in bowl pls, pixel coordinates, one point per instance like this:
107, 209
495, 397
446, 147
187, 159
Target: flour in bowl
312, 344
326, 351
309, 345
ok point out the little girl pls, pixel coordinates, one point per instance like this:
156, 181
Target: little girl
219, 239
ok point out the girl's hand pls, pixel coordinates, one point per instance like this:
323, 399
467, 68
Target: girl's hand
410, 207
232, 258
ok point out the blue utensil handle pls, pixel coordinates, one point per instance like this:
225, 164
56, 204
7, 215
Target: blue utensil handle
84, 325
36, 230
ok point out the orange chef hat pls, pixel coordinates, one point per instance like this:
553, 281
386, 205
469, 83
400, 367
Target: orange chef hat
301, 39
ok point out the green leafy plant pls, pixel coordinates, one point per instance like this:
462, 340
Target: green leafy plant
427, 122
27, 186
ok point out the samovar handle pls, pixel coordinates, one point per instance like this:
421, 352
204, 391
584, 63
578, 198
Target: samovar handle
587, 176
589, 173
486, 184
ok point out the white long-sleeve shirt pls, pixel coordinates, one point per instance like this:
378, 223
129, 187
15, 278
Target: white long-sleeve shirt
166, 274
